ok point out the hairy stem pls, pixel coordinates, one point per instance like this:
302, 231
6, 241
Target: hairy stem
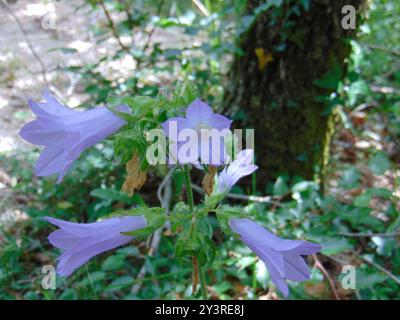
189, 192
203, 283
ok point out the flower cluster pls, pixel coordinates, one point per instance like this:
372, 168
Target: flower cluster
66, 133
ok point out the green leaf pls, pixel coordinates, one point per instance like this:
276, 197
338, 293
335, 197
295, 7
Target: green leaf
357, 88
222, 287
304, 186
331, 79
280, 187
350, 178
113, 262
362, 200
332, 246
306, 4
68, 294
143, 105
379, 164
110, 194
64, 205
120, 283
195, 244
365, 280
381, 192
225, 213
246, 262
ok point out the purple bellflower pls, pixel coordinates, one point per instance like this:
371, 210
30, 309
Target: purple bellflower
239, 168
282, 257
79, 242
199, 117
66, 133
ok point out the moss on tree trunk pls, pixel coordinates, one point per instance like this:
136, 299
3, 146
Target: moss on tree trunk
293, 124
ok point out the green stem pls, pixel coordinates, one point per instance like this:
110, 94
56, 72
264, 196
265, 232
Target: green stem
189, 192
188, 184
203, 284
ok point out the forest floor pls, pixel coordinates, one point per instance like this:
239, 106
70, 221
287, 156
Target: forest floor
24, 35
30, 61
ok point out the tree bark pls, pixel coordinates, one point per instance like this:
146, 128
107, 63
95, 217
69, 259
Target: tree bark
281, 100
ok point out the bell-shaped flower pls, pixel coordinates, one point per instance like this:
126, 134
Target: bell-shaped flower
66, 133
79, 242
282, 257
239, 168
197, 138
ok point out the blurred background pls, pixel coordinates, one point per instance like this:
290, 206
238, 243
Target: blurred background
323, 100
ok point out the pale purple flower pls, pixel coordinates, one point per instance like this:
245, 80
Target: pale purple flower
199, 118
282, 257
79, 242
66, 133
239, 168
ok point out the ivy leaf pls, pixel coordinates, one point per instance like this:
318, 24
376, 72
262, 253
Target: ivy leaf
305, 4
331, 79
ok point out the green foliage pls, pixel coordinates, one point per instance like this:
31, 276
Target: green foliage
359, 198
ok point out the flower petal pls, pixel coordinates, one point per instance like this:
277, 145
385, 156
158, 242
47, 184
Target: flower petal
259, 241
51, 160
173, 126
77, 256
108, 226
198, 113
266, 254
277, 279
249, 227
220, 122
66, 133
306, 248
296, 268
238, 169
41, 133
62, 239
93, 126
52, 108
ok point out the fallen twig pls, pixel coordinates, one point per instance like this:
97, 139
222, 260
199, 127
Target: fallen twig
370, 235
28, 42
321, 267
385, 49
379, 267
266, 199
112, 26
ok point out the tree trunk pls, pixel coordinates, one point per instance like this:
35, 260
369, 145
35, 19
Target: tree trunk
290, 64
